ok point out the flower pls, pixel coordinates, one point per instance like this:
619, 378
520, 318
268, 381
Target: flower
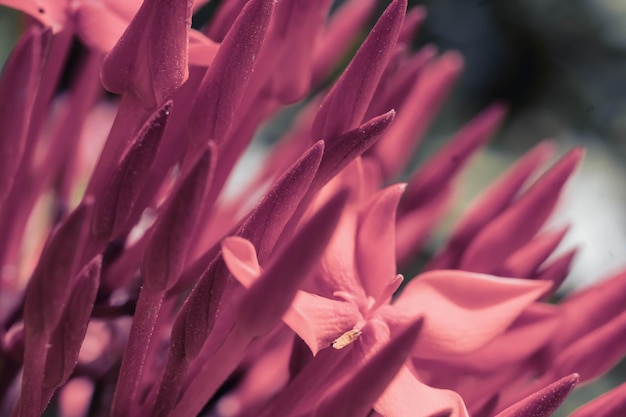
132, 284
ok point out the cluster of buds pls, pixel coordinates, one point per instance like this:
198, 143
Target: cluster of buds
132, 284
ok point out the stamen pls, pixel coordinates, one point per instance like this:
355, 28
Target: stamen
346, 338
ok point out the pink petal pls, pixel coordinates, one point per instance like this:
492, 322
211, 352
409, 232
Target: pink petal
396, 82
490, 204
240, 257
544, 402
420, 107
525, 261
319, 321
337, 269
356, 396
519, 223
270, 296
448, 162
340, 152
611, 404
18, 87
340, 33
100, 27
556, 271
117, 201
411, 24
586, 310
67, 338
344, 107
159, 32
463, 310
406, 394
224, 84
297, 25
51, 283
166, 253
375, 247
594, 353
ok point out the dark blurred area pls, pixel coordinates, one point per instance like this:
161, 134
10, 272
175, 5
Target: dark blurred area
556, 62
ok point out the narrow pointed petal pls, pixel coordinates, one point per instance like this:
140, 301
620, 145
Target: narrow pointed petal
344, 107
296, 28
375, 250
544, 402
418, 110
356, 396
117, 201
224, 85
265, 223
525, 262
490, 204
406, 394
519, 223
595, 353
157, 35
49, 287
556, 271
67, 339
165, 255
611, 404
411, 24
18, 86
445, 165
586, 310
340, 32
392, 94
463, 311
340, 152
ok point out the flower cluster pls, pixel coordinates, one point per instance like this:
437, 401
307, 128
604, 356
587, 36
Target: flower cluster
133, 285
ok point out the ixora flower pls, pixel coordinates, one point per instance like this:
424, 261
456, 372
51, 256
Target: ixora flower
132, 284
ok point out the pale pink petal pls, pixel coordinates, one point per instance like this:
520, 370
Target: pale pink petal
240, 257
319, 321
337, 269
463, 311
375, 253
407, 396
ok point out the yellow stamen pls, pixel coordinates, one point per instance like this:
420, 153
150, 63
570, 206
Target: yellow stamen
346, 338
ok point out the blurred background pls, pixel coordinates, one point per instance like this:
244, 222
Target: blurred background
560, 65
